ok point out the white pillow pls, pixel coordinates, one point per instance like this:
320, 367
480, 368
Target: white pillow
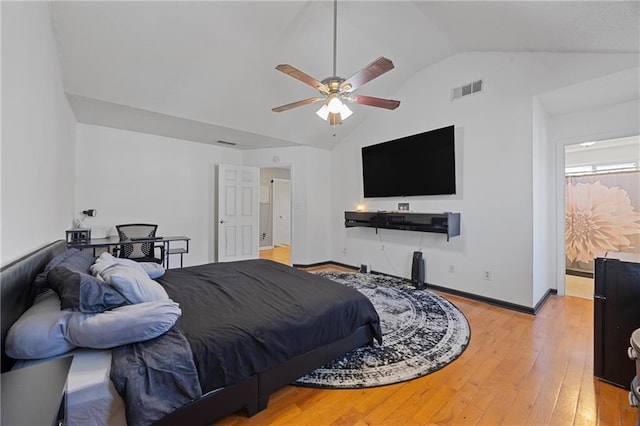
154, 270
106, 259
134, 285
123, 325
40, 331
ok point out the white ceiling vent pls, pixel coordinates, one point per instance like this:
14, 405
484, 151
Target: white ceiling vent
467, 89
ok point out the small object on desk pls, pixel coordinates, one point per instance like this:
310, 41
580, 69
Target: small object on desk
78, 235
36, 395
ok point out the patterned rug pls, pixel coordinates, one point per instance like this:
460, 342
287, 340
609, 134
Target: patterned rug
421, 333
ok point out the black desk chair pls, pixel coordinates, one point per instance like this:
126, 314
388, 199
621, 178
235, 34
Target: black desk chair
142, 251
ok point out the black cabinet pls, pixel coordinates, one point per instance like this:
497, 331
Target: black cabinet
36, 395
616, 316
441, 223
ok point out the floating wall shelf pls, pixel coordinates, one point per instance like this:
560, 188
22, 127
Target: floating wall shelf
440, 223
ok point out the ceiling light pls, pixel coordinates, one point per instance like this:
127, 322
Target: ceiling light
335, 91
345, 112
334, 103
323, 112
587, 144
334, 110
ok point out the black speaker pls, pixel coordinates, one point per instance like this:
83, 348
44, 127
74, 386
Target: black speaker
417, 269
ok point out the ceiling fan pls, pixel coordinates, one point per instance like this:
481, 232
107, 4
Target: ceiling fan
335, 90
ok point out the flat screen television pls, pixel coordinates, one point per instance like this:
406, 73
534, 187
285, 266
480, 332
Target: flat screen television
421, 164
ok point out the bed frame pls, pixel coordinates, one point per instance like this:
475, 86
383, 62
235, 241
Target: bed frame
252, 395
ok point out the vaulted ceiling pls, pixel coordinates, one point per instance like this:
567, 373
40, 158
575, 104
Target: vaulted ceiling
205, 71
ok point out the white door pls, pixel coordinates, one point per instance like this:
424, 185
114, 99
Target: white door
238, 213
281, 212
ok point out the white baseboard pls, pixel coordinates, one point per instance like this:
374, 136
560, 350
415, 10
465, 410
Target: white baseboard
265, 248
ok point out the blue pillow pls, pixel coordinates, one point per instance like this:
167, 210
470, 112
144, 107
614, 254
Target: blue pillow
123, 325
134, 284
83, 292
40, 331
106, 260
154, 270
73, 259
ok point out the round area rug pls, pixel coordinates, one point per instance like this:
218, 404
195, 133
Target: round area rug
421, 333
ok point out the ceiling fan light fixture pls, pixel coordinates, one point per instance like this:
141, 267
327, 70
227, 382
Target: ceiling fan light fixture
334, 91
334, 104
323, 112
345, 112
334, 111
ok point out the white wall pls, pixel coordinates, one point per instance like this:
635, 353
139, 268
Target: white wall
494, 138
38, 134
606, 122
134, 177
310, 195
544, 203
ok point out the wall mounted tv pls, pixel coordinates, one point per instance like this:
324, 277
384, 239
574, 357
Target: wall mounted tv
421, 164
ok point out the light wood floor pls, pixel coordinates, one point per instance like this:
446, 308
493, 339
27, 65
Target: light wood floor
517, 370
281, 254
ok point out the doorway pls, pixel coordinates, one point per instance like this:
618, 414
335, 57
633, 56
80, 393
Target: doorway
281, 189
276, 222
601, 206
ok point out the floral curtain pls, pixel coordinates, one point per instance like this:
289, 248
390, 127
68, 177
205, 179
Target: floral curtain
602, 214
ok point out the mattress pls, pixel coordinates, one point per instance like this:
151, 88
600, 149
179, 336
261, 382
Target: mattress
244, 318
91, 397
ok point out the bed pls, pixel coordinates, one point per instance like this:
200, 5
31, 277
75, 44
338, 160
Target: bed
221, 298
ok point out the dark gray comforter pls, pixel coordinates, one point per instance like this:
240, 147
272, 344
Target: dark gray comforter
155, 377
244, 318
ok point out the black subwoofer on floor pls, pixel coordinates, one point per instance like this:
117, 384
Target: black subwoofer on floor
417, 269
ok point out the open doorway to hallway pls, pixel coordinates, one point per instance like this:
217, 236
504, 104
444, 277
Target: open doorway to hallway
275, 214
602, 206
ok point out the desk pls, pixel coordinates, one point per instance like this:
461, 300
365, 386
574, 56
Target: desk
95, 243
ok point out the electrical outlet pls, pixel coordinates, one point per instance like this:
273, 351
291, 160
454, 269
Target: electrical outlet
344, 250
452, 269
403, 206
486, 274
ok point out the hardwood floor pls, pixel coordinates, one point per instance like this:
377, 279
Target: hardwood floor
517, 370
281, 254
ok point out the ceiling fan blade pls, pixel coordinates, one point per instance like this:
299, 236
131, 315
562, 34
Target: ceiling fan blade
366, 74
297, 104
303, 77
334, 119
373, 101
